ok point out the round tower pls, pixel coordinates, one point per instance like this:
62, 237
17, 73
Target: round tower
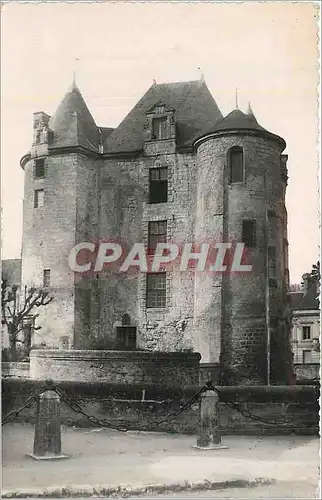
241, 198
59, 210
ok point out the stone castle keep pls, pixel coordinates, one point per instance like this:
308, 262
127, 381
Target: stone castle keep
174, 170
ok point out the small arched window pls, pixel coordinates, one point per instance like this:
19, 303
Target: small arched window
126, 320
236, 164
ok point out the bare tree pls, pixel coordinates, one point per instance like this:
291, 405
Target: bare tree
18, 307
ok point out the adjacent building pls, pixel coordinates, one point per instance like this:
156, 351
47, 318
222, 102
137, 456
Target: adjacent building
306, 330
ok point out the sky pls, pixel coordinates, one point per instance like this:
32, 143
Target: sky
269, 51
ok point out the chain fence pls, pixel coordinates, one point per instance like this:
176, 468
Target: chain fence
247, 414
28, 404
123, 426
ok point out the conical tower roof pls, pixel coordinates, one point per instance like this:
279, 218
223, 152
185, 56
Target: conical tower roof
238, 121
73, 124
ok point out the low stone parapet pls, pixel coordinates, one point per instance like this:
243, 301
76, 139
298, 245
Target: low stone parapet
12, 369
116, 367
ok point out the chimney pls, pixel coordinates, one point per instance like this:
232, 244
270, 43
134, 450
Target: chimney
309, 284
42, 134
41, 120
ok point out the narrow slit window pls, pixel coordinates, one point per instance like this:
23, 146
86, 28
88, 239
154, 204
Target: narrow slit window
236, 165
272, 265
39, 198
40, 168
249, 233
46, 278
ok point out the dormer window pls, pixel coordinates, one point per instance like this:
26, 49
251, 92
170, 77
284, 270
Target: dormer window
160, 129
160, 123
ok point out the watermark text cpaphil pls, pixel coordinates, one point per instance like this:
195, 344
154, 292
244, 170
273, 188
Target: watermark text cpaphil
216, 257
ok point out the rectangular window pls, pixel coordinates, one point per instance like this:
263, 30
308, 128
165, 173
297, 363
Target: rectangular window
236, 165
46, 278
39, 172
157, 234
39, 198
272, 262
159, 126
158, 185
306, 333
272, 226
249, 233
126, 337
156, 290
307, 357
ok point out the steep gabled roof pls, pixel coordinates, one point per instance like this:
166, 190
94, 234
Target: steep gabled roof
194, 108
73, 124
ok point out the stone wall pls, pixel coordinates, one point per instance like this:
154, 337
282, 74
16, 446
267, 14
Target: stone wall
48, 236
234, 324
310, 371
171, 328
295, 409
116, 367
124, 217
15, 370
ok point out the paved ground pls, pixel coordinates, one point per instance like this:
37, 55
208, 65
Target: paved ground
109, 459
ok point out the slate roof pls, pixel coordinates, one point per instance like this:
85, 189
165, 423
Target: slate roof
105, 132
11, 271
308, 301
237, 120
194, 106
73, 124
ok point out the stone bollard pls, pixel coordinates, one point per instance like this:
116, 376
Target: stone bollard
47, 441
209, 434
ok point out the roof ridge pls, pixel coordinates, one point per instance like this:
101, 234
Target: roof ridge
180, 82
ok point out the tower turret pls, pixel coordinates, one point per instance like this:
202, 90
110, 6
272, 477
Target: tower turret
240, 197
60, 209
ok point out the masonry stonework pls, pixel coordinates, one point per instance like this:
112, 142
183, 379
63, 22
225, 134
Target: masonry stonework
96, 188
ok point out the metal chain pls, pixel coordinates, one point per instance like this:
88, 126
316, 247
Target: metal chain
75, 406
30, 401
246, 413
